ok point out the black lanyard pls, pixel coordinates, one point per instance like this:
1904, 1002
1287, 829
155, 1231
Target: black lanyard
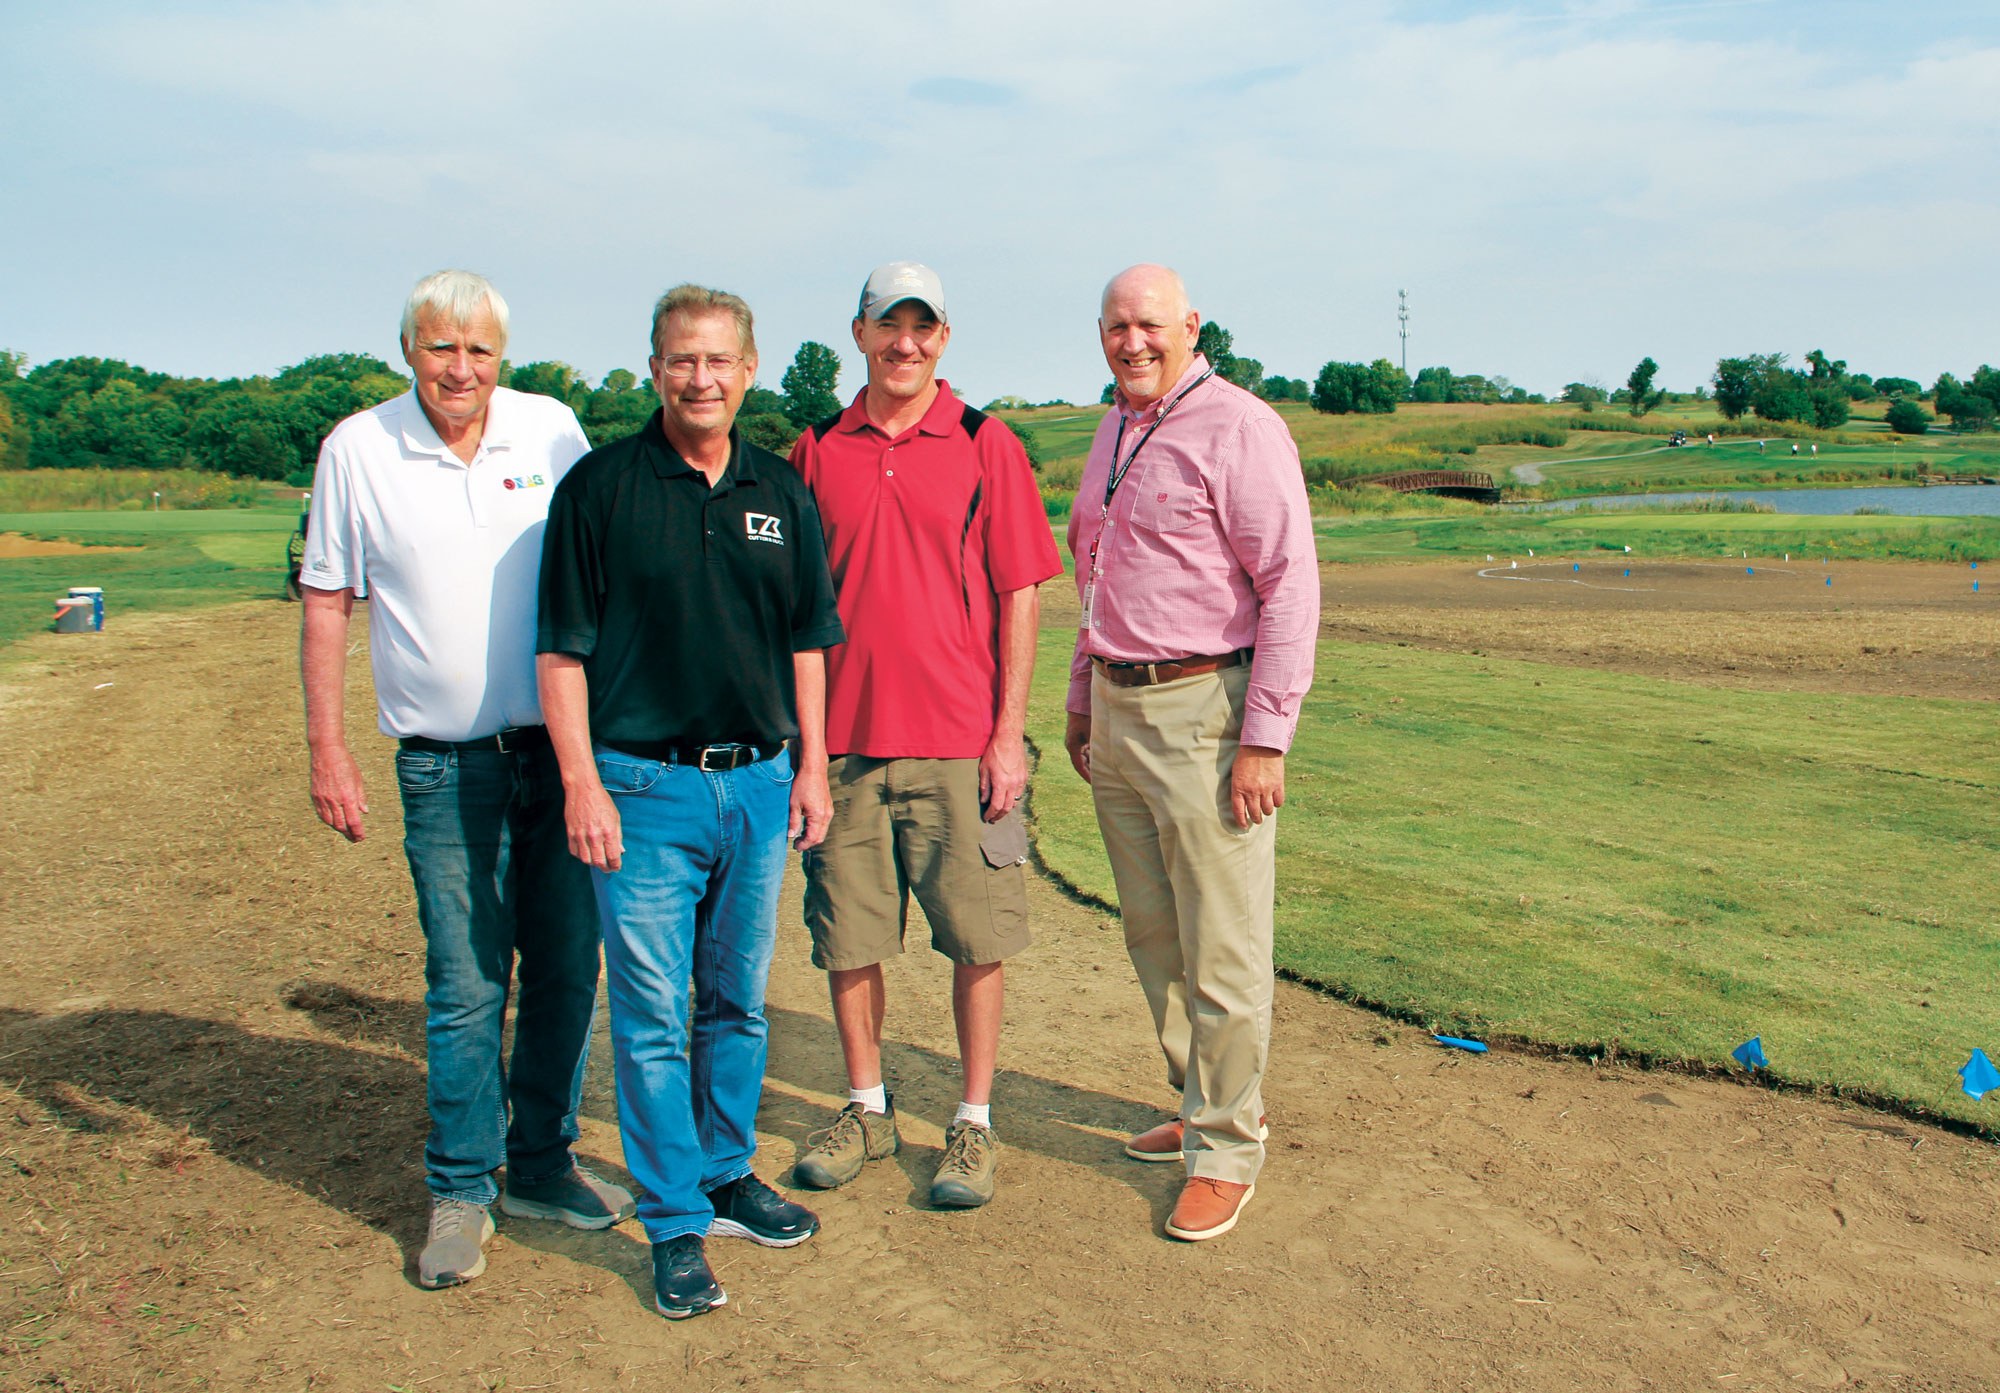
1119, 471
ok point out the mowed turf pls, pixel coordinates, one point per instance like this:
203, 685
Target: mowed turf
1473, 532
197, 557
1628, 865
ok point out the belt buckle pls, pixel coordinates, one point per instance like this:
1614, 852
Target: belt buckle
502, 743
724, 752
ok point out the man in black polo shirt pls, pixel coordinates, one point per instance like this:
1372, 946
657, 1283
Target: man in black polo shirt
685, 607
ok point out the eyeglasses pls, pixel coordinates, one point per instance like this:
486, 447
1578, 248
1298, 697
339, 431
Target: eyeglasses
680, 366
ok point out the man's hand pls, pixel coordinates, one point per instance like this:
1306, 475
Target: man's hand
1003, 776
1256, 784
1076, 739
812, 805
596, 836
337, 795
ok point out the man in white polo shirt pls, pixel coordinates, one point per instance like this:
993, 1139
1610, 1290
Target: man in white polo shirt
432, 507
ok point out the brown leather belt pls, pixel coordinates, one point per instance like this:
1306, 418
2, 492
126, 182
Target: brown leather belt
1120, 674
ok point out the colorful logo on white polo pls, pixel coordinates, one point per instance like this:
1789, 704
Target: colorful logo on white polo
529, 481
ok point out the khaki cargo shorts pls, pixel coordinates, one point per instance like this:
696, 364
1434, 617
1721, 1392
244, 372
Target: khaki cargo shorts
914, 825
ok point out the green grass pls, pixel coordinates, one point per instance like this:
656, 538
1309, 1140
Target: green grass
1611, 863
1512, 534
185, 559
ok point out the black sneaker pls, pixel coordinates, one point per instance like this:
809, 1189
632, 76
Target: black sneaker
748, 1208
682, 1284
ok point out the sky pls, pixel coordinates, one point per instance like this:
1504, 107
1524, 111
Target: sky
221, 189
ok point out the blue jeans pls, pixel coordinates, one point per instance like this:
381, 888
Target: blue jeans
695, 899
489, 856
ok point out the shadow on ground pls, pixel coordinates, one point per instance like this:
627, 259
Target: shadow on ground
343, 1119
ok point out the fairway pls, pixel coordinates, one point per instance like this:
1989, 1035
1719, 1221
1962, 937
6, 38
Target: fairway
150, 561
1628, 865
1471, 532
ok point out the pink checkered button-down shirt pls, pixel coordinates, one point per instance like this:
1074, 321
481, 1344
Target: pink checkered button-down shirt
1207, 547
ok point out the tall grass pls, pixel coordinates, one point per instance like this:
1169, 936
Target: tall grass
1463, 437
55, 490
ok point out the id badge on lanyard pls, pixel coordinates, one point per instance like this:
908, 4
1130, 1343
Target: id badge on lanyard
1112, 480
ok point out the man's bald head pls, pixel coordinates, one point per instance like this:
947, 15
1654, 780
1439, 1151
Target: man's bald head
1147, 277
1147, 331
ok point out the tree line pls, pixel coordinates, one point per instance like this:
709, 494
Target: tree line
1820, 393
84, 413
101, 413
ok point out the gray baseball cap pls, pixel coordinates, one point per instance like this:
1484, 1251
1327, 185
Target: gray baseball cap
891, 284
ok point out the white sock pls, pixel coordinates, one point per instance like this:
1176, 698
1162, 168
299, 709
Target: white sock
874, 1099
981, 1113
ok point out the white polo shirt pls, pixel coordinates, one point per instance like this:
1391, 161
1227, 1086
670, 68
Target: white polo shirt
447, 553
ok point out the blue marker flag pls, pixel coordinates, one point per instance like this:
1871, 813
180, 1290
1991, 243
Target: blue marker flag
1750, 1054
1979, 1074
1458, 1044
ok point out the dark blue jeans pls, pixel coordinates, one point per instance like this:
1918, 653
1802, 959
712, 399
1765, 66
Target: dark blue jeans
484, 834
694, 905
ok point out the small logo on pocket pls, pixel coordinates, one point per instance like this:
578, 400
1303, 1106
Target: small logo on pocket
763, 527
527, 481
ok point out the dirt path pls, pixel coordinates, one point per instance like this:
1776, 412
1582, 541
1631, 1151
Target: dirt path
212, 1120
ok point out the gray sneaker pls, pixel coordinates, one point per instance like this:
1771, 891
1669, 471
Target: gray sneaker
456, 1249
965, 1176
855, 1138
579, 1199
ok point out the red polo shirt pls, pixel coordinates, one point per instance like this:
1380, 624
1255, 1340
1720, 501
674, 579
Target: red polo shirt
922, 533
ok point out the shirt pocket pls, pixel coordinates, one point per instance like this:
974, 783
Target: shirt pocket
1171, 497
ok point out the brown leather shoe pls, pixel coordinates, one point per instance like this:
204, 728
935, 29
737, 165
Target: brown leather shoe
1163, 1143
1208, 1208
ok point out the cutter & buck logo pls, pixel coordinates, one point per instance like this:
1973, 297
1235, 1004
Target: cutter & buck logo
763, 527
526, 481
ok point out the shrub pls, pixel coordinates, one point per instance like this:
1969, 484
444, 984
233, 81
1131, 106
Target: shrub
1829, 408
1905, 417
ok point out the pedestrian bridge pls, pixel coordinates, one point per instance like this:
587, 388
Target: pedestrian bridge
1456, 483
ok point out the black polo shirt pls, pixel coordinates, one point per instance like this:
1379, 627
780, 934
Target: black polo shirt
685, 602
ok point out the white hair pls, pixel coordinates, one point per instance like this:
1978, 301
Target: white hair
455, 297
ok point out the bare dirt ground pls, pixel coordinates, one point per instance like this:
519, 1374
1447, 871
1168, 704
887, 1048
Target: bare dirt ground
13, 544
1897, 629
212, 1116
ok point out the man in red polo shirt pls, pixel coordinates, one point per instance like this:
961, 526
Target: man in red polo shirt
937, 540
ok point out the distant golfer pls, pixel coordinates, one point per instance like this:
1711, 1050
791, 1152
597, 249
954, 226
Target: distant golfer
432, 506
1795, 447
1200, 605
937, 540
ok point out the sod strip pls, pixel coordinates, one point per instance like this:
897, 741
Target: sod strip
1518, 850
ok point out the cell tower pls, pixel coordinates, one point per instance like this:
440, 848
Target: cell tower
1403, 332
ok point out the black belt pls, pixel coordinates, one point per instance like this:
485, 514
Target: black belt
710, 759
509, 741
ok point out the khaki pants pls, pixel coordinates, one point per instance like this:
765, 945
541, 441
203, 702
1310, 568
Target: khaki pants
1196, 894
